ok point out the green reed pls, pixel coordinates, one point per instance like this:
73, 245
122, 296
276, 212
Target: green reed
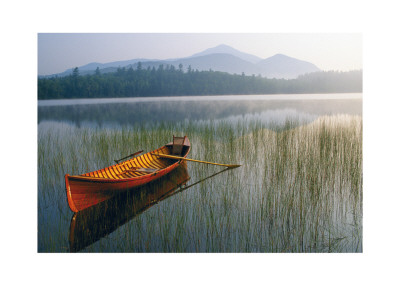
299, 188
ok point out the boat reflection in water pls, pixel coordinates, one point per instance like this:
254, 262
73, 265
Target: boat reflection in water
91, 224
94, 223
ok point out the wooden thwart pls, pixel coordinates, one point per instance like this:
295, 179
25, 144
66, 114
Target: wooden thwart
130, 155
194, 160
143, 170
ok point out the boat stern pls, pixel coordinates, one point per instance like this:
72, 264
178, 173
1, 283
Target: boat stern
71, 203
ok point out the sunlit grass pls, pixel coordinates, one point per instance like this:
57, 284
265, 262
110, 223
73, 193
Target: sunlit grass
299, 188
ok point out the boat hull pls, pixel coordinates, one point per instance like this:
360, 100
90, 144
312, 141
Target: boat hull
85, 190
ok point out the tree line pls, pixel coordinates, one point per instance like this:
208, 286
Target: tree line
170, 81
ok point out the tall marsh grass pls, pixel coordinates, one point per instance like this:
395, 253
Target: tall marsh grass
299, 188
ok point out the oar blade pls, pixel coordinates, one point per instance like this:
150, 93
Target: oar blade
234, 166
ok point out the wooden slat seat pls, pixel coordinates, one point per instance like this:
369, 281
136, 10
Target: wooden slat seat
177, 145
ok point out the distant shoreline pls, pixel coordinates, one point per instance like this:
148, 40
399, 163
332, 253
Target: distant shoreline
176, 83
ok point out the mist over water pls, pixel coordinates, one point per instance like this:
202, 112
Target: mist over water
342, 96
267, 109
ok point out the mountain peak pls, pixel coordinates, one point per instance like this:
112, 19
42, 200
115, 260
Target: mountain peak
284, 66
280, 56
223, 48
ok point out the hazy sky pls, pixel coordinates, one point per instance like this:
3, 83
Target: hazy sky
60, 51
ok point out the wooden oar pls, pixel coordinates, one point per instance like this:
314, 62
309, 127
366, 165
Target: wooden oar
194, 160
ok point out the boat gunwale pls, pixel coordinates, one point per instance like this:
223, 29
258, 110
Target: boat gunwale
119, 180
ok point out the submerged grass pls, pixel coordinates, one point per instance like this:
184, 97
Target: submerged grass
299, 188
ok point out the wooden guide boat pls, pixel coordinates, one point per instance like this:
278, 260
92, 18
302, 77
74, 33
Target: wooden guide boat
91, 188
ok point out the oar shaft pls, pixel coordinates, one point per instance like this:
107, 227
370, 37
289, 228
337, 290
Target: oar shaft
194, 160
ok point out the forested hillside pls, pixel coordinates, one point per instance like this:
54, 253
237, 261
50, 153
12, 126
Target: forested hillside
170, 81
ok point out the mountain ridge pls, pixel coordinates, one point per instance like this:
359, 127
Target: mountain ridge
221, 58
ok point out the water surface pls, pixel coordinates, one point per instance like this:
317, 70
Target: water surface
278, 201
131, 111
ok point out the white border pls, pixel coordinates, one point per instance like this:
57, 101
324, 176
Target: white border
238, 276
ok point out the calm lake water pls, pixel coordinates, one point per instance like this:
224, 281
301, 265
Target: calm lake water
200, 208
130, 111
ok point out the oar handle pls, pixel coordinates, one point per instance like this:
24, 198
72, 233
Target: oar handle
130, 155
194, 160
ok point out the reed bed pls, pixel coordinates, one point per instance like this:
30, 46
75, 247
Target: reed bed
299, 188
